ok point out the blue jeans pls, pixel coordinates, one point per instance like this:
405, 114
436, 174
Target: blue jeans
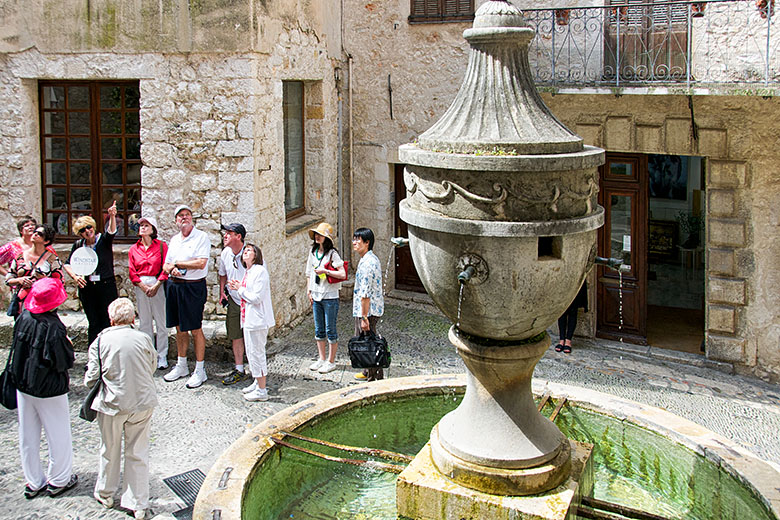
325, 315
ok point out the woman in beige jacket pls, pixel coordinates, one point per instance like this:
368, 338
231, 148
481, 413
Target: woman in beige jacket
124, 405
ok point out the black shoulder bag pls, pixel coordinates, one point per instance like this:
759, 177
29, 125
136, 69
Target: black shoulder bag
86, 412
368, 351
7, 387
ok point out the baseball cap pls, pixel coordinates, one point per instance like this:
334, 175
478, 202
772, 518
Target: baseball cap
235, 227
179, 208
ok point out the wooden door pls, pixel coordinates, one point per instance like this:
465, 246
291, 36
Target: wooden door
621, 297
406, 277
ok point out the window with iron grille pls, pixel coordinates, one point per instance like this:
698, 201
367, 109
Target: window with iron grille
426, 11
90, 153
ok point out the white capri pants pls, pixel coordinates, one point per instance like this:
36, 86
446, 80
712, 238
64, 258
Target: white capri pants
51, 414
254, 344
152, 310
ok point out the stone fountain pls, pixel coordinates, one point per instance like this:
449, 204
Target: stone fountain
502, 212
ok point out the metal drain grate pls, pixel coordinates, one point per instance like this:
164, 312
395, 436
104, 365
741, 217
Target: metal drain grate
186, 485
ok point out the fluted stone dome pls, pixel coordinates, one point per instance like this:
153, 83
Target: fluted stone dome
497, 108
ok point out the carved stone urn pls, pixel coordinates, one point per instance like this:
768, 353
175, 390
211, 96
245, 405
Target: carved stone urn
501, 204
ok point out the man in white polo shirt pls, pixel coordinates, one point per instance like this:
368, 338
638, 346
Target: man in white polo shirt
186, 265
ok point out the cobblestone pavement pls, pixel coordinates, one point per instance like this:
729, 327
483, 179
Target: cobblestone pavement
191, 428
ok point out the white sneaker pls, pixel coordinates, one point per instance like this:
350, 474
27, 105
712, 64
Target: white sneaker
326, 367
140, 514
258, 394
317, 364
178, 372
250, 388
196, 379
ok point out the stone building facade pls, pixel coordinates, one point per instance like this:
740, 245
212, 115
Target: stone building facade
211, 126
211, 79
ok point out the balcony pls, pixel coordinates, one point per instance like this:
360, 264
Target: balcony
718, 47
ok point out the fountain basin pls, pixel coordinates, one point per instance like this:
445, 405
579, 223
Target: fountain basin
697, 474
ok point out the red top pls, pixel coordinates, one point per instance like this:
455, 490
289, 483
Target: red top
147, 262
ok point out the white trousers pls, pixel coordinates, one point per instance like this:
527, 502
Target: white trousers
254, 344
153, 310
51, 414
134, 429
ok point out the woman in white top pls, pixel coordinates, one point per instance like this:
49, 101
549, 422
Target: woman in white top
322, 262
257, 316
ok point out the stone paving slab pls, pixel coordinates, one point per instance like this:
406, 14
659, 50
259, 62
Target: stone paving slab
191, 428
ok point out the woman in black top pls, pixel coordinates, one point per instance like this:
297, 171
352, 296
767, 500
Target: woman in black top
97, 290
41, 355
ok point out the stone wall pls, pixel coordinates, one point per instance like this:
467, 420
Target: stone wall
211, 136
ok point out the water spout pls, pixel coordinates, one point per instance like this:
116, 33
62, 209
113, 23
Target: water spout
466, 275
613, 263
399, 241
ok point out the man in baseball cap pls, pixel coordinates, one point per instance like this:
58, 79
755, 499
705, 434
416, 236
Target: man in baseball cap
230, 267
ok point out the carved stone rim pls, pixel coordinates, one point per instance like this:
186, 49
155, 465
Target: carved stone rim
493, 228
588, 157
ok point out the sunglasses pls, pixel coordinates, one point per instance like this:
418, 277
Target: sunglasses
38, 232
84, 229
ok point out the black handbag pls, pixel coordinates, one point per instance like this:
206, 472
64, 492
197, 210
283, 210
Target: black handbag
368, 351
86, 412
15, 307
7, 387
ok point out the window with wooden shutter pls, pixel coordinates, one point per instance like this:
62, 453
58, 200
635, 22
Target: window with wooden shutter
427, 11
650, 37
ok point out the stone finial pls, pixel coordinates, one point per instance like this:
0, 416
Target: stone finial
497, 108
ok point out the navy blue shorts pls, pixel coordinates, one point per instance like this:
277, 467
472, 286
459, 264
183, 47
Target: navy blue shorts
184, 302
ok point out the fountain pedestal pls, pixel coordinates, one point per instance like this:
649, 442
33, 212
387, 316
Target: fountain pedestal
502, 212
423, 493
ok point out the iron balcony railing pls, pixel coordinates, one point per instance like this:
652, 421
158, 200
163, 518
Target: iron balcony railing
726, 43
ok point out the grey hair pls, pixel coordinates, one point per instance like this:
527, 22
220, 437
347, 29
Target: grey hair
121, 311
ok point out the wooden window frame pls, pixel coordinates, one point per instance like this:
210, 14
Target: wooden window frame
95, 160
441, 15
295, 212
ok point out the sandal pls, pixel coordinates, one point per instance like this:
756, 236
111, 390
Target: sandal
567, 349
559, 347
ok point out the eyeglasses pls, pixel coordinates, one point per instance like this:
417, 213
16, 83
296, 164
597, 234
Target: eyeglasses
85, 228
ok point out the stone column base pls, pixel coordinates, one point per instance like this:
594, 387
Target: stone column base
423, 493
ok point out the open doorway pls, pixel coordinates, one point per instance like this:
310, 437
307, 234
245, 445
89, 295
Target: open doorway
675, 252
653, 223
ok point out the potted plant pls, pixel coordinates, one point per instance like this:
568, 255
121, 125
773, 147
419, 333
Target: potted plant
692, 225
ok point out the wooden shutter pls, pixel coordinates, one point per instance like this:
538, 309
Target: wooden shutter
458, 7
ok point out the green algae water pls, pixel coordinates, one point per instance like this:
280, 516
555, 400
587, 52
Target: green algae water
632, 466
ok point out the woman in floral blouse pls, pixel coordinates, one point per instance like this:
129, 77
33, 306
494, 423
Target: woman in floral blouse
368, 303
39, 261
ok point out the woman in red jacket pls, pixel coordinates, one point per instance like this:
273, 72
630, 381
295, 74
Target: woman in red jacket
146, 260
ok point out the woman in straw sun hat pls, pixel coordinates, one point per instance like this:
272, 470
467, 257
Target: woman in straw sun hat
322, 262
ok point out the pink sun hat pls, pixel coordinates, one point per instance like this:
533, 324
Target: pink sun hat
46, 294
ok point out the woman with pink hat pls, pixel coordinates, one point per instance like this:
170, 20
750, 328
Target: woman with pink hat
41, 356
325, 270
146, 258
